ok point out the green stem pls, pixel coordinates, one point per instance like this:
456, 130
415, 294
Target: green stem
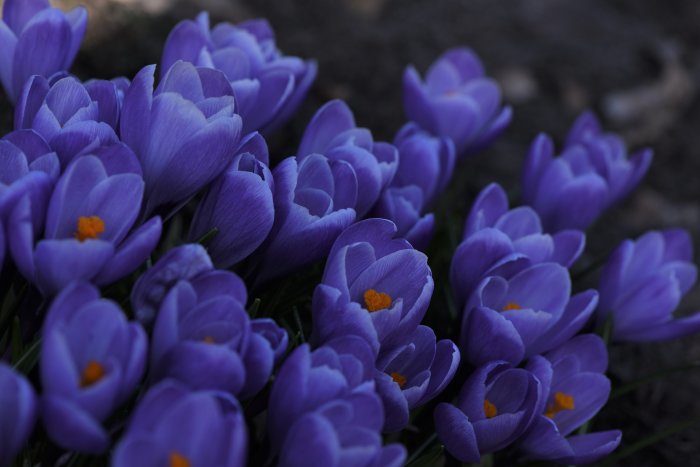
422, 448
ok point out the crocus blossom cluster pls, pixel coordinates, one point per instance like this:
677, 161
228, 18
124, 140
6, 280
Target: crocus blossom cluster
142, 225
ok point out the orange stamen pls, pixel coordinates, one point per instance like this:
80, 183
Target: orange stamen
399, 379
562, 401
178, 460
92, 373
489, 409
512, 306
376, 301
89, 228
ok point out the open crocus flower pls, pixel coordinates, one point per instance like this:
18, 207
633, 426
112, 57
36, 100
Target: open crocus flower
88, 234
36, 39
592, 173
177, 427
184, 133
642, 284
323, 409
574, 390
388, 278
456, 101
412, 373
333, 133
499, 241
268, 86
91, 360
494, 408
528, 314
74, 118
18, 409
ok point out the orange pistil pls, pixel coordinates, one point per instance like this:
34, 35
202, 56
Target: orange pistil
178, 460
512, 306
562, 401
489, 409
376, 301
89, 228
399, 379
208, 340
92, 373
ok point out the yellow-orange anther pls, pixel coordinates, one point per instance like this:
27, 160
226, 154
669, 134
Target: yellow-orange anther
178, 460
512, 306
89, 228
208, 340
376, 301
92, 373
561, 402
399, 379
489, 409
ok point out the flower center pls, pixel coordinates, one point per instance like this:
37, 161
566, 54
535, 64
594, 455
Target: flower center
178, 460
489, 409
89, 228
561, 402
399, 379
208, 340
92, 373
376, 301
512, 306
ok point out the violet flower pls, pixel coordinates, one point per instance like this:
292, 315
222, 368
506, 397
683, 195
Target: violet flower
530, 313
333, 133
642, 284
89, 220
18, 406
239, 205
592, 173
174, 426
404, 207
494, 408
456, 101
36, 39
91, 360
574, 389
184, 133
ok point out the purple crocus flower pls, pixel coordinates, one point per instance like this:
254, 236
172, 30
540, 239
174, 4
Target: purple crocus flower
91, 360
74, 118
36, 39
174, 426
530, 313
574, 389
404, 207
592, 173
494, 408
456, 101
412, 373
239, 205
388, 278
18, 409
333, 133
502, 241
268, 85
88, 234
314, 201
184, 133
323, 409
642, 284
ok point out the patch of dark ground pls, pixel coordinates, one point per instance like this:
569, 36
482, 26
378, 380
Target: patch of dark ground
637, 63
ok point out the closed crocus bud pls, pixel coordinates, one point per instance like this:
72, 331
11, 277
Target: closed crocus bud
403, 206
412, 373
574, 389
494, 408
185, 133
456, 101
89, 221
269, 86
314, 202
592, 173
502, 241
530, 313
239, 206
390, 280
17, 410
36, 39
74, 118
333, 133
642, 284
323, 409
91, 360
175, 426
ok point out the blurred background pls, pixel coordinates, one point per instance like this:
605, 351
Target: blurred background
635, 62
